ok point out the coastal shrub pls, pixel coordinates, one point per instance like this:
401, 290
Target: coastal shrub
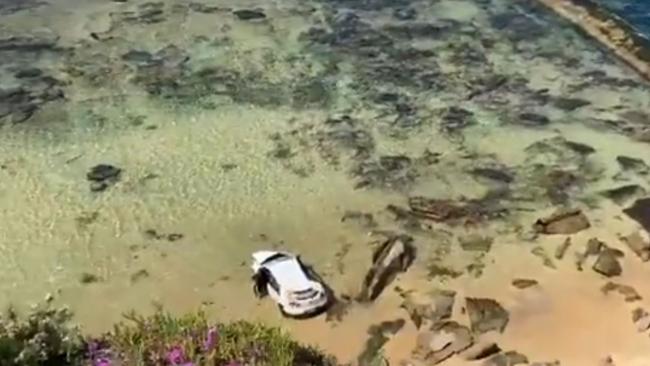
162, 339
45, 338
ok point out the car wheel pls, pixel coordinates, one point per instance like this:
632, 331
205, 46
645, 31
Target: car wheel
284, 313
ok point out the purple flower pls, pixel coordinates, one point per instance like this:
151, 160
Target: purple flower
102, 362
211, 340
176, 357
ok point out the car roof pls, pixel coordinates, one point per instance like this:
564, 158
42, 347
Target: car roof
289, 274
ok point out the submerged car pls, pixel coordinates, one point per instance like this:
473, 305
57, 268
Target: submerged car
296, 288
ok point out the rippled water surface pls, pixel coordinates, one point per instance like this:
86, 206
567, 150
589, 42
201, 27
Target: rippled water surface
230, 126
636, 12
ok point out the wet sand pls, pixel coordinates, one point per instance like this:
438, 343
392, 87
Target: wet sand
231, 150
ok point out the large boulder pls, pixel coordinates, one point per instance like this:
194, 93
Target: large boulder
393, 256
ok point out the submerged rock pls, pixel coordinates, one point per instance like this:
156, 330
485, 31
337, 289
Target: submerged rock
564, 221
392, 257
580, 148
365, 220
494, 174
623, 194
510, 358
593, 248
628, 292
443, 341
607, 263
437, 309
638, 245
405, 13
102, 176
392, 172
546, 259
560, 251
451, 212
486, 315
533, 119
522, 283
640, 212
480, 350
476, 243
570, 104
456, 118
249, 14
633, 164
379, 335
641, 319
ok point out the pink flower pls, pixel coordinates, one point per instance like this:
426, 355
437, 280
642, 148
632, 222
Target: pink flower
176, 357
211, 340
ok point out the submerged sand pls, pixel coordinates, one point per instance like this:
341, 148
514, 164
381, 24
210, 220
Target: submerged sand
211, 169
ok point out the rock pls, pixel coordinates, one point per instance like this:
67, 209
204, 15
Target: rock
632, 164
365, 220
593, 248
392, 172
559, 183
137, 57
639, 313
564, 221
628, 292
456, 118
561, 250
480, 350
451, 212
640, 212
641, 319
522, 283
434, 310
622, 195
205, 9
552, 363
102, 176
638, 245
607, 263
249, 14
533, 119
510, 358
139, 275
570, 104
579, 148
8, 7
406, 13
494, 174
379, 335
486, 315
546, 259
103, 172
88, 278
442, 342
476, 243
28, 73
395, 255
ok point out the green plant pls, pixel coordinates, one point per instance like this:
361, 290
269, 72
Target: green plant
162, 339
44, 337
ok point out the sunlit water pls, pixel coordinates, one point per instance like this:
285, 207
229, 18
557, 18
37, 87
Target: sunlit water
220, 126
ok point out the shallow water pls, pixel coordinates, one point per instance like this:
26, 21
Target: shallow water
635, 12
233, 134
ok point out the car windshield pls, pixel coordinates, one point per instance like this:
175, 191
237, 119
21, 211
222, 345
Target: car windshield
275, 257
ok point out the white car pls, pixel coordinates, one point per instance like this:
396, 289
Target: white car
296, 288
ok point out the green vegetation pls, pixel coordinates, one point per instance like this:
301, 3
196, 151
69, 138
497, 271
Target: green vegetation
45, 337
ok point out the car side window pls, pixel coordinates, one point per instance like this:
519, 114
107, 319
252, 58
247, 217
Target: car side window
274, 284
